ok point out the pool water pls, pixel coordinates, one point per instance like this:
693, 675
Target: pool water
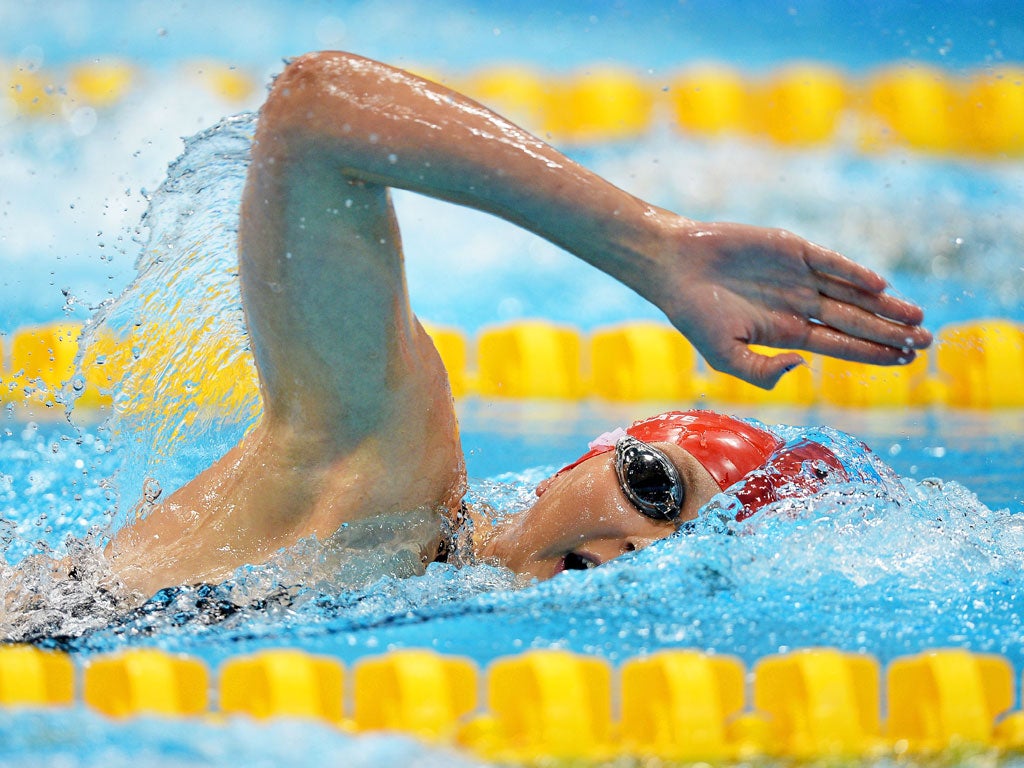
929, 557
81, 738
886, 568
908, 557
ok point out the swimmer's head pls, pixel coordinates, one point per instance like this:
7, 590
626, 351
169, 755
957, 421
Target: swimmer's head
728, 449
632, 487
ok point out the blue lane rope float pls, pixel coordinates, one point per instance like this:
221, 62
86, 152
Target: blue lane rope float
979, 364
553, 704
977, 112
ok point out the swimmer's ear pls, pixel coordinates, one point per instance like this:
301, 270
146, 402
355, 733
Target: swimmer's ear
543, 485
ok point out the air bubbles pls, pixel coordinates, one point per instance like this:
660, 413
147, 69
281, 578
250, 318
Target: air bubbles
331, 32
30, 58
151, 490
83, 121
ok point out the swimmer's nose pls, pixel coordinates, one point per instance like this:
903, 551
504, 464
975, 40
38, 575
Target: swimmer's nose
636, 543
609, 549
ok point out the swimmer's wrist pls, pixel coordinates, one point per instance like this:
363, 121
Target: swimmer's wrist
646, 253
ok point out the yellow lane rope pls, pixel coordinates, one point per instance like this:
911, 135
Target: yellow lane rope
679, 704
978, 364
977, 112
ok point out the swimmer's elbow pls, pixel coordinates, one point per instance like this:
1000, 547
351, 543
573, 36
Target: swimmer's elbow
318, 67
310, 84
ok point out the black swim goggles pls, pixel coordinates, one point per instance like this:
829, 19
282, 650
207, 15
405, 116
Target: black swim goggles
649, 479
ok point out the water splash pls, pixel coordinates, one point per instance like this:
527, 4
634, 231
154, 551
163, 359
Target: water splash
175, 340
55, 501
174, 348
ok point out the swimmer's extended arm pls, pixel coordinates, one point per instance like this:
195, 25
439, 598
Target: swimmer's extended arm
723, 285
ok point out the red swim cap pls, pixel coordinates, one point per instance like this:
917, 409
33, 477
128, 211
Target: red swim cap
730, 449
800, 469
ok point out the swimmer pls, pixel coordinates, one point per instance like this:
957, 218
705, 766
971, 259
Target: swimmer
358, 421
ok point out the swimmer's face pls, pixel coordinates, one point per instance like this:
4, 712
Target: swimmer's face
583, 518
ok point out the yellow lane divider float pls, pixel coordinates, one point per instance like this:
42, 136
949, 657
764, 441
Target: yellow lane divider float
979, 364
679, 705
978, 112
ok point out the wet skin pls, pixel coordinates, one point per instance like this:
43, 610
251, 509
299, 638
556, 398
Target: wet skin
582, 519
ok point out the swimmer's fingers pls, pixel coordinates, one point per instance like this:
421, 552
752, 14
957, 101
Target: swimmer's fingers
825, 340
881, 304
837, 329
766, 370
856, 324
830, 263
760, 370
731, 353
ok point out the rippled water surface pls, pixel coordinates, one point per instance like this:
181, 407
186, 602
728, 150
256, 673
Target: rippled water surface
925, 555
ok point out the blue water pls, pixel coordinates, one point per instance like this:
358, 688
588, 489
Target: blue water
888, 569
657, 34
82, 738
939, 539
931, 559
79, 181
921, 563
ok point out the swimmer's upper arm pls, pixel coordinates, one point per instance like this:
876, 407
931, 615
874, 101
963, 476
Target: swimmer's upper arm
322, 274
336, 344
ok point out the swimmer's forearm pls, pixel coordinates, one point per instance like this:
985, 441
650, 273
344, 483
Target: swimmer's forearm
387, 126
724, 286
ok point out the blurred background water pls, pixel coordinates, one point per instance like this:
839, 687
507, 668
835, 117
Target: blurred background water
74, 182
932, 560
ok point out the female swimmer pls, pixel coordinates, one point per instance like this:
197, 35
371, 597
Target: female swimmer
358, 421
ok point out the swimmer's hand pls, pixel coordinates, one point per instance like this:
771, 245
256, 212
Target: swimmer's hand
726, 286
